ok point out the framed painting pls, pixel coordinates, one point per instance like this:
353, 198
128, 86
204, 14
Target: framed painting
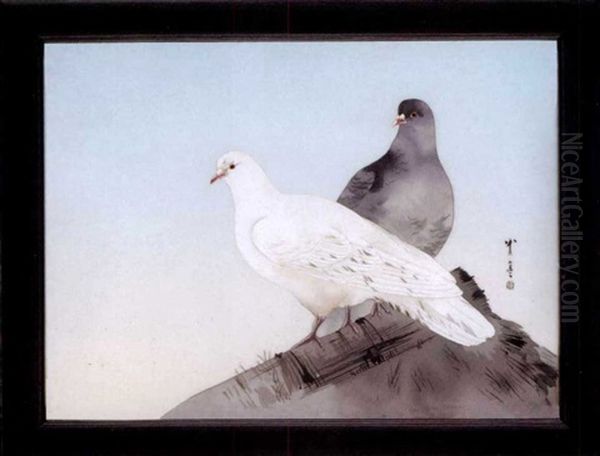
297, 228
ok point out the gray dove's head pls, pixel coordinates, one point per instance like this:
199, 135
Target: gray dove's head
415, 123
415, 112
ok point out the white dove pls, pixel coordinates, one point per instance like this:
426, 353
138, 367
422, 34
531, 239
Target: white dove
328, 256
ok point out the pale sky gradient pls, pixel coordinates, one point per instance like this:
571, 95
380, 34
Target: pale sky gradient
148, 300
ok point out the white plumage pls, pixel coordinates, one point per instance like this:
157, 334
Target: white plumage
327, 256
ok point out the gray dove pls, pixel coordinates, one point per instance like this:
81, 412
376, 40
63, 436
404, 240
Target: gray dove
407, 191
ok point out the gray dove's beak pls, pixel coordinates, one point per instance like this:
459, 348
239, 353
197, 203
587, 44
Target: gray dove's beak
401, 119
218, 176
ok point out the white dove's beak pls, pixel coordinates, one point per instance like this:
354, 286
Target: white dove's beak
401, 119
218, 176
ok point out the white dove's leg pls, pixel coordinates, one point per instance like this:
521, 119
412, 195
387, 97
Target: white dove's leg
376, 311
349, 321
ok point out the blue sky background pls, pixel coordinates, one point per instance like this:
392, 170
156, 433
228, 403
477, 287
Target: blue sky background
148, 300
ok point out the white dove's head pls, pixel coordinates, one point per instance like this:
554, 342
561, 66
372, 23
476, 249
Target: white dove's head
229, 163
243, 175
239, 169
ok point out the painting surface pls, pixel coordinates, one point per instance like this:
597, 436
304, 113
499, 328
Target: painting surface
148, 299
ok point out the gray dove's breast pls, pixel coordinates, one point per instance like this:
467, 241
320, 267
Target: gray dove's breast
417, 206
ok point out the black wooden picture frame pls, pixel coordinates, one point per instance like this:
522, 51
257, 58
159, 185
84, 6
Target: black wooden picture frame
27, 25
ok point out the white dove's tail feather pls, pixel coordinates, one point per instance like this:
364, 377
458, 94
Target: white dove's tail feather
453, 318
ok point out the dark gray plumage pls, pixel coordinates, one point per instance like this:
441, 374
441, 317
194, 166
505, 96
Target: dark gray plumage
407, 190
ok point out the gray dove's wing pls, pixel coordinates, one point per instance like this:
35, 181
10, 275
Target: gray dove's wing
357, 188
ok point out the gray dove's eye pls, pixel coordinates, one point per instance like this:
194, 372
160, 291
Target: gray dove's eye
413, 114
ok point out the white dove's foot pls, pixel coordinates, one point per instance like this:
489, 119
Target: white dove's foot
306, 340
378, 309
312, 336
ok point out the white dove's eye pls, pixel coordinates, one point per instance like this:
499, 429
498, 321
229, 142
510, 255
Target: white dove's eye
413, 114
232, 166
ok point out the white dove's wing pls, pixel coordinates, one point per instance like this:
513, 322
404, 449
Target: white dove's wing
387, 267
328, 254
